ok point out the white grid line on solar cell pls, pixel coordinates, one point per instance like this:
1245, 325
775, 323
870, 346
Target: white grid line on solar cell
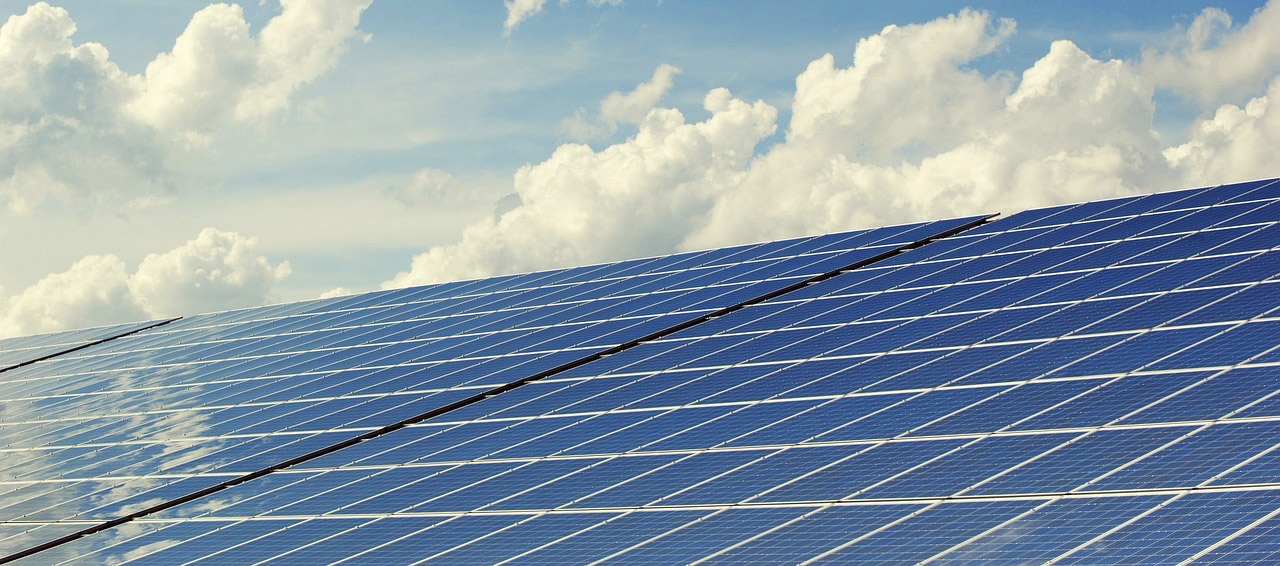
514, 310
1050, 269
867, 535
311, 543
761, 534
787, 362
1080, 334
1199, 429
390, 542
1096, 218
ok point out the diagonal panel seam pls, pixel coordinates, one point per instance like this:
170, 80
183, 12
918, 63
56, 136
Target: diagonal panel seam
88, 344
661, 333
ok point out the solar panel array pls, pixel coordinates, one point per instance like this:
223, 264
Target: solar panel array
1088, 384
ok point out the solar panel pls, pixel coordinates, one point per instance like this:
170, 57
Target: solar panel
1080, 384
154, 416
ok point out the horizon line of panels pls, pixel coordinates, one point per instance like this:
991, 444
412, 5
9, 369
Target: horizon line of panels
92, 404
1193, 429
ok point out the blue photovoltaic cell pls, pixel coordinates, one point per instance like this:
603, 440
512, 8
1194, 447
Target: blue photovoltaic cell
928, 532
1180, 528
1052, 530
1078, 383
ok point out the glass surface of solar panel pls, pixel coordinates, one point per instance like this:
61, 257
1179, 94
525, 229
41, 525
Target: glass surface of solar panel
1083, 377
152, 416
20, 350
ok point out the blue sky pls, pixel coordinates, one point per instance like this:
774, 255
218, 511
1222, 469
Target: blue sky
385, 143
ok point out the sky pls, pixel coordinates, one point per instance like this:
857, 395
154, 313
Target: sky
168, 158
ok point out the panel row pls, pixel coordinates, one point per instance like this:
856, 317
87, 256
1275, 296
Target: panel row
1202, 527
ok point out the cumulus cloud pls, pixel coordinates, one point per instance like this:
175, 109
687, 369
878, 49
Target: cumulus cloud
1210, 60
622, 108
1235, 143
907, 131
638, 197
74, 127
216, 270
1075, 128
217, 73
906, 89
95, 290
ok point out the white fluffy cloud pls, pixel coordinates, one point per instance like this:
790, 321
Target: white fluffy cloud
218, 73
908, 131
622, 107
1209, 60
216, 270
74, 127
1235, 143
638, 197
1075, 128
907, 89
